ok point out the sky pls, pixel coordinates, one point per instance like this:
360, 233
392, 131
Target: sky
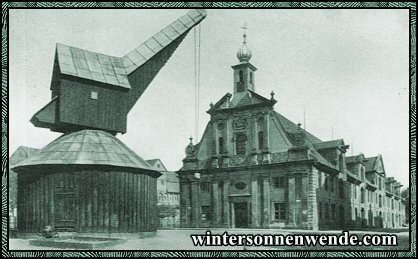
347, 69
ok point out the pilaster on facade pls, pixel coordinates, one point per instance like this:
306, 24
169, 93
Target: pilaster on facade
226, 205
216, 217
195, 204
254, 204
312, 213
266, 203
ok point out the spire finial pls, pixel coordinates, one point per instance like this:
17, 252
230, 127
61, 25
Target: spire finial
245, 32
244, 54
191, 140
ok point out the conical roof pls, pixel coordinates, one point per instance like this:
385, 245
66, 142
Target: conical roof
87, 148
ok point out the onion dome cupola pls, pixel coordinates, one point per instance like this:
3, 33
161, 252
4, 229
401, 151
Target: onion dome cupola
244, 71
244, 53
190, 149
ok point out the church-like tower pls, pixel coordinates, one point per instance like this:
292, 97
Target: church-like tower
255, 168
244, 72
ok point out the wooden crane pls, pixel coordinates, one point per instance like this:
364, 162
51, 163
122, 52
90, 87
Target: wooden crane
96, 91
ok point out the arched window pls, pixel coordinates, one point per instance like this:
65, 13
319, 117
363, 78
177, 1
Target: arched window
260, 140
380, 201
221, 145
355, 191
319, 179
241, 76
362, 195
362, 173
251, 78
341, 188
240, 144
326, 182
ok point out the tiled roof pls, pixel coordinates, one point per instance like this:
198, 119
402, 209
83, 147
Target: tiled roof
321, 159
355, 159
156, 166
172, 182
351, 159
21, 154
86, 147
153, 161
329, 144
352, 175
370, 164
291, 127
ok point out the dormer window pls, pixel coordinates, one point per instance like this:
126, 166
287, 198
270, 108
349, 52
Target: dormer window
362, 174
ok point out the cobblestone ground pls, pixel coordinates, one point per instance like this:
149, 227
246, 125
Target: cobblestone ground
180, 240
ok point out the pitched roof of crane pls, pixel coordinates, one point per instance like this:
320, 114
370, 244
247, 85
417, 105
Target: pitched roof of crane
90, 65
114, 70
86, 147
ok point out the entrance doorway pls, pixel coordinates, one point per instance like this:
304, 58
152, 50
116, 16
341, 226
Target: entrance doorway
64, 203
241, 214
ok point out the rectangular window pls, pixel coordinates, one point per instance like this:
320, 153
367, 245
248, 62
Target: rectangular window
206, 215
205, 186
279, 211
221, 145
94, 95
332, 183
355, 191
319, 179
326, 183
260, 140
240, 144
333, 212
320, 210
341, 187
279, 182
326, 210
